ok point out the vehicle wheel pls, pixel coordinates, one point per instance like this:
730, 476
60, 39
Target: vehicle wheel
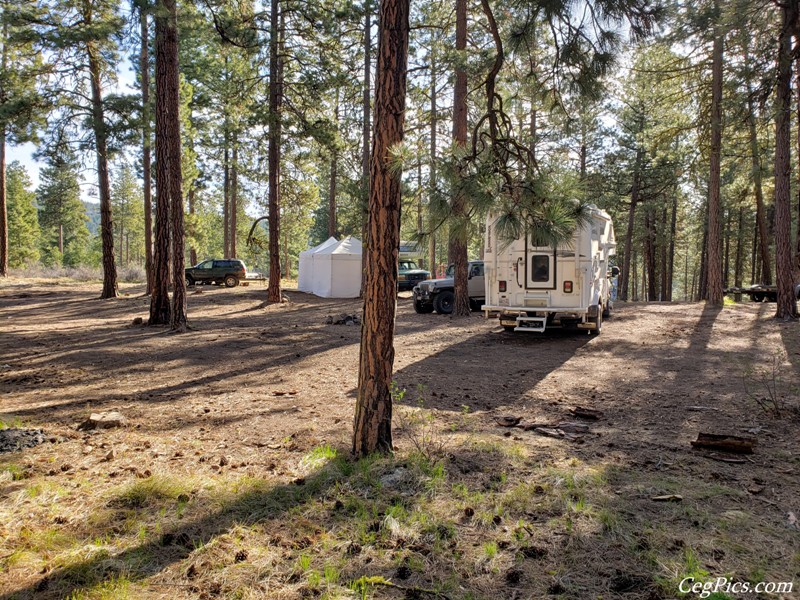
443, 302
422, 309
606, 311
757, 297
231, 281
599, 321
189, 281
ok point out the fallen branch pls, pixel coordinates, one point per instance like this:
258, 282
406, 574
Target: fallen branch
727, 443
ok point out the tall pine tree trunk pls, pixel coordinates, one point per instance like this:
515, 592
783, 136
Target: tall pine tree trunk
714, 261
432, 183
334, 174
234, 194
3, 135
147, 190
739, 260
365, 139
3, 208
372, 431
458, 227
103, 182
787, 303
226, 198
755, 157
672, 230
797, 97
274, 156
626, 257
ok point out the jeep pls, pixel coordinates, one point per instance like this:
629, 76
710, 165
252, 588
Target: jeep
227, 271
409, 274
439, 294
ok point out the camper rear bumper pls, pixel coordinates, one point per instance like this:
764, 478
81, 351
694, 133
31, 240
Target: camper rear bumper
556, 316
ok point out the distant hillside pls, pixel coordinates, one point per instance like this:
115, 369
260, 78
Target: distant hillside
93, 212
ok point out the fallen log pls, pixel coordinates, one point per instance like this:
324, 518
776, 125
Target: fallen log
586, 413
726, 443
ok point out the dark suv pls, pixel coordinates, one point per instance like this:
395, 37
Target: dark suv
409, 275
227, 271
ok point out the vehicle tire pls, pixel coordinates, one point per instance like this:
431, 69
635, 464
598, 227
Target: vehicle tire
606, 311
422, 309
757, 297
231, 281
443, 302
599, 321
189, 282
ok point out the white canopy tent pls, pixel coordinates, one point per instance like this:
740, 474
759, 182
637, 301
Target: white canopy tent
305, 270
337, 270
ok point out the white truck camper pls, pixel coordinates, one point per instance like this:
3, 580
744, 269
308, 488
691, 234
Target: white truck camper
532, 288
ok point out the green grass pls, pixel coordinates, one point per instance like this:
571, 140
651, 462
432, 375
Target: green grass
149, 491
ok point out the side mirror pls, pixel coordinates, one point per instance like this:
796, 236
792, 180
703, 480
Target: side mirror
615, 271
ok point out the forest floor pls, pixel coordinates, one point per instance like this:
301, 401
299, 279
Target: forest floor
233, 479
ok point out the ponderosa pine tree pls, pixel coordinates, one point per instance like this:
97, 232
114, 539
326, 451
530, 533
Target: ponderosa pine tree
21, 107
459, 218
169, 247
787, 302
62, 216
274, 152
714, 241
23, 223
372, 431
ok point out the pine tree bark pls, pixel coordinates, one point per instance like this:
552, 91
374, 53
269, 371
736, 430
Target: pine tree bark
3, 201
103, 182
3, 207
226, 198
787, 303
365, 140
274, 154
333, 176
626, 257
650, 253
234, 193
672, 230
458, 228
432, 183
758, 188
739, 260
714, 261
147, 190
373, 416
797, 106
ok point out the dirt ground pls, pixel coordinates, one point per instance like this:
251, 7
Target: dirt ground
251, 392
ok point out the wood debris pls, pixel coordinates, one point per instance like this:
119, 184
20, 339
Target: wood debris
586, 413
726, 443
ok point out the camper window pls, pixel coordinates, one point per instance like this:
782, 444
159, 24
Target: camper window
540, 268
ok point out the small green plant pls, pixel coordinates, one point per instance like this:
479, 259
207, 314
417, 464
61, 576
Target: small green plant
490, 550
765, 385
419, 426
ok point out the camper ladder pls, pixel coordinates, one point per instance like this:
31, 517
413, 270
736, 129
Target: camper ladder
534, 324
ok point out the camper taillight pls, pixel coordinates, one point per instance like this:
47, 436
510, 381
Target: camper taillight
502, 286
567, 287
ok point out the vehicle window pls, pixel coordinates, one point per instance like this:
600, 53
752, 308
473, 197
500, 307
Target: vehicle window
407, 265
476, 270
451, 271
219, 264
540, 268
206, 264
